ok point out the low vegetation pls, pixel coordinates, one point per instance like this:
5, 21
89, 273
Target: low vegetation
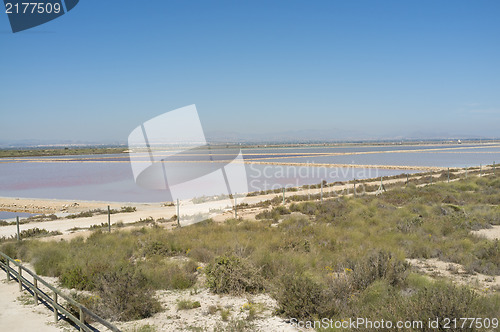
187, 304
91, 213
30, 233
13, 153
341, 258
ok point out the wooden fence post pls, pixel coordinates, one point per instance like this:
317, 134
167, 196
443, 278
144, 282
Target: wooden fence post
321, 191
178, 214
8, 270
448, 175
17, 224
109, 220
354, 187
54, 300
35, 291
235, 207
82, 318
20, 277
283, 195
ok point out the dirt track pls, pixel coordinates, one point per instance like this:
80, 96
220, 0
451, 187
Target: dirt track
15, 316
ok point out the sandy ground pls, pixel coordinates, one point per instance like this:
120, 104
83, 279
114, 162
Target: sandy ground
492, 233
17, 316
18, 312
48, 206
204, 319
456, 273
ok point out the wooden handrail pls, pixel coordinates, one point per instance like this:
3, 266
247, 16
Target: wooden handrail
57, 307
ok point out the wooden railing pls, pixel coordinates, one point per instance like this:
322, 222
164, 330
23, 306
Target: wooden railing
5, 264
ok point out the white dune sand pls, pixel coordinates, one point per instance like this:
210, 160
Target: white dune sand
16, 316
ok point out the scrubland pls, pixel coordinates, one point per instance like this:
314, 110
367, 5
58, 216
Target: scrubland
342, 258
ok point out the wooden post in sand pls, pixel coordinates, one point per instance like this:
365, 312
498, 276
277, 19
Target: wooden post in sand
480, 169
283, 195
407, 179
178, 214
54, 304
109, 220
494, 168
35, 290
235, 207
448, 175
20, 277
17, 223
354, 187
82, 318
8, 270
381, 188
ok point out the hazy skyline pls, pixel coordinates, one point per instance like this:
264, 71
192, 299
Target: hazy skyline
351, 69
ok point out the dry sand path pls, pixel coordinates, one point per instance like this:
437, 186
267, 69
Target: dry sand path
16, 316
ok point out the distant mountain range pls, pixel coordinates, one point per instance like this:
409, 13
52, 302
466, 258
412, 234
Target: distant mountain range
336, 135
292, 136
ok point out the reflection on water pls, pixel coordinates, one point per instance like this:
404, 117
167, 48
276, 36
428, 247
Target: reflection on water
4, 215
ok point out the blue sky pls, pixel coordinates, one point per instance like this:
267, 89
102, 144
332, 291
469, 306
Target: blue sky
345, 68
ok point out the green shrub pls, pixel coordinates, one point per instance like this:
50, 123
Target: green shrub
125, 296
76, 278
161, 274
232, 275
441, 300
378, 265
299, 296
187, 304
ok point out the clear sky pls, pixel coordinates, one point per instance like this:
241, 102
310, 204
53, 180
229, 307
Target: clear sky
352, 68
